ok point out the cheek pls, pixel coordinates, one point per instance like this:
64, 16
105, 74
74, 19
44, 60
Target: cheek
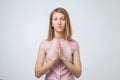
53, 23
64, 24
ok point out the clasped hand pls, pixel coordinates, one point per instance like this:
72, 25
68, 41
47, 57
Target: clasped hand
58, 53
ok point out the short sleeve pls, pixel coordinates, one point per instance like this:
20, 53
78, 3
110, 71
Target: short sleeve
43, 45
75, 45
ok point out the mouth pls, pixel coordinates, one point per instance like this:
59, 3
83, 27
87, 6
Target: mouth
59, 26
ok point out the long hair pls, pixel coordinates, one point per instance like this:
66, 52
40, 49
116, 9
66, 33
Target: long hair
68, 30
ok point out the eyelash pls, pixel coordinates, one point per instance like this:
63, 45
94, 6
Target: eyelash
60, 19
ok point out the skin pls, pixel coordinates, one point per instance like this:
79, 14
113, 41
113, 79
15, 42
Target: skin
58, 23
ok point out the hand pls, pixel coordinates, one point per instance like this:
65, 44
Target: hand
60, 53
56, 55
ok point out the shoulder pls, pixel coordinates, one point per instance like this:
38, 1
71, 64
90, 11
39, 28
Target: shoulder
44, 44
74, 45
73, 42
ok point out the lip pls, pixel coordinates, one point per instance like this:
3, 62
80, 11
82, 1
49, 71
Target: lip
59, 26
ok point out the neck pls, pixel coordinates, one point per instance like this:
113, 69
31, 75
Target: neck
59, 35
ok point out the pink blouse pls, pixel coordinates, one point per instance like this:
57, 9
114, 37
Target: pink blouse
59, 71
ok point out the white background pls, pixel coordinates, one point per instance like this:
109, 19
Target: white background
95, 24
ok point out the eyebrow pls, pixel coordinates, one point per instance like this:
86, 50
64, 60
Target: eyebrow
57, 17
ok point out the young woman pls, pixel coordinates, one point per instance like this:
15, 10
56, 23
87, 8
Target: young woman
59, 51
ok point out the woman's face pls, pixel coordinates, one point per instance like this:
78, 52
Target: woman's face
58, 21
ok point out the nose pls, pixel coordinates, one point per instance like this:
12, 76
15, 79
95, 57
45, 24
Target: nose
59, 21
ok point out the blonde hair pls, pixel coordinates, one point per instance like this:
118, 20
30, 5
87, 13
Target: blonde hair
68, 30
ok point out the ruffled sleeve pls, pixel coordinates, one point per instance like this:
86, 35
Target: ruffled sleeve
75, 46
43, 45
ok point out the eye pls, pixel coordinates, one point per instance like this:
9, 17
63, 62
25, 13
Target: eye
54, 18
62, 18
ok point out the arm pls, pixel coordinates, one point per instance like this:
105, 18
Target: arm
74, 68
40, 68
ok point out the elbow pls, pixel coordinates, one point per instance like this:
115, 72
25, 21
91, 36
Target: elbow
78, 74
37, 74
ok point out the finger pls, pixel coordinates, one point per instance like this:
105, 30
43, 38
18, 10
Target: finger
57, 44
58, 49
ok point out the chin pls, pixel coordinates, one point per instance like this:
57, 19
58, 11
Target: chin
60, 30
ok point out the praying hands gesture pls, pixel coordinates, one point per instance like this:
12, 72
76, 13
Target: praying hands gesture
74, 68
58, 53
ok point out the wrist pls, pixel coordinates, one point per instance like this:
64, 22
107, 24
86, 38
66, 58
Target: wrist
54, 59
63, 58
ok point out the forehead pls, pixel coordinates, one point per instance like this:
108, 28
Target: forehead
57, 14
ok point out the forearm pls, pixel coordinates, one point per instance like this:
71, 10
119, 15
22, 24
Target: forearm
42, 70
76, 71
